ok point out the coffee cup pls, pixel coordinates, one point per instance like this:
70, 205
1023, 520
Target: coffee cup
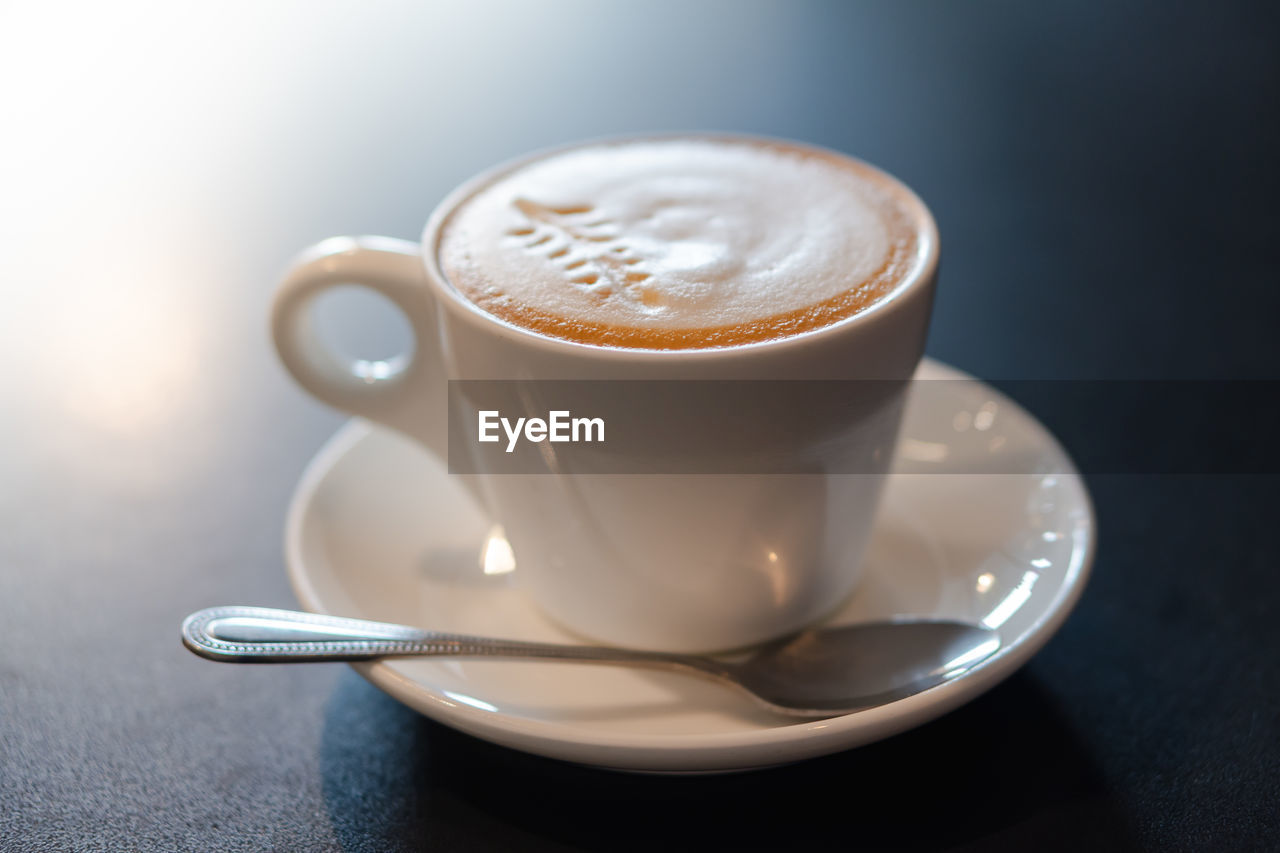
626, 274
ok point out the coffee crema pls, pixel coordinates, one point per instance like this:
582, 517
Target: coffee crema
681, 243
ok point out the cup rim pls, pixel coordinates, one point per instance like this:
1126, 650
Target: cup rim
921, 273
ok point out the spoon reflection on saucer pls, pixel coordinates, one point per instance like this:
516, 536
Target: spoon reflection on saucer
821, 672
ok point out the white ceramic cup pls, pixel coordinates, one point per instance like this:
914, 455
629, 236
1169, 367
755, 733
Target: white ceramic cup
678, 562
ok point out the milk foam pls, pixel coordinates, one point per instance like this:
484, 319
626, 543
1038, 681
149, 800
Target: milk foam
676, 243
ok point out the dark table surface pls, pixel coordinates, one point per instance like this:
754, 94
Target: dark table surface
1105, 180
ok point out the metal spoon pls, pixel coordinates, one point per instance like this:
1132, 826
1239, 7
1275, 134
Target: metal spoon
816, 673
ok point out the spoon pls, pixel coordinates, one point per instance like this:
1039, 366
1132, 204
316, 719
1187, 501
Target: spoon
816, 673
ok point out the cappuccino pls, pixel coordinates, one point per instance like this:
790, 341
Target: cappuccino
682, 243
604, 316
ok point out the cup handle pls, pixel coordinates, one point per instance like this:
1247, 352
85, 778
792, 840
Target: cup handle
407, 392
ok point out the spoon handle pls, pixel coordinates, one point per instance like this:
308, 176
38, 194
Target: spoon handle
236, 634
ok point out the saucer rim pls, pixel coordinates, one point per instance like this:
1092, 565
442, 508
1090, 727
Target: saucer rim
725, 751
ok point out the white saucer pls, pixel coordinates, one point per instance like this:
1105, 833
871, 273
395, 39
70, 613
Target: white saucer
379, 530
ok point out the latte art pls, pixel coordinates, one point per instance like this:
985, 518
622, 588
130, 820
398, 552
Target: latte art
680, 243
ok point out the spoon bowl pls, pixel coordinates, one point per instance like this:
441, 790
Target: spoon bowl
829, 671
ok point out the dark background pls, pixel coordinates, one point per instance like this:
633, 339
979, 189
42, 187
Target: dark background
1104, 177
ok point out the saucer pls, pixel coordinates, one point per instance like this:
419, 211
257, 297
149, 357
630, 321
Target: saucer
984, 520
